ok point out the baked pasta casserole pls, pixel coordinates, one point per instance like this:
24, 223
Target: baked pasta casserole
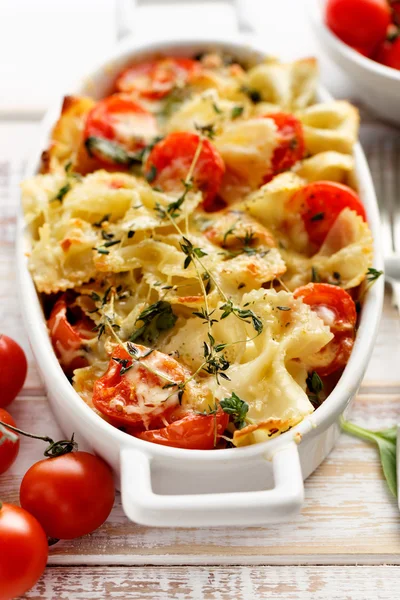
200, 248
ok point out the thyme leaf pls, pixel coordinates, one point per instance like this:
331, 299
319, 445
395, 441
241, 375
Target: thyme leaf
236, 408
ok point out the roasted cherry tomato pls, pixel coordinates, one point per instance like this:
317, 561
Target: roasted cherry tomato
8, 449
68, 339
192, 431
337, 309
13, 369
23, 551
320, 203
156, 78
290, 146
359, 23
70, 495
171, 159
138, 396
389, 54
121, 120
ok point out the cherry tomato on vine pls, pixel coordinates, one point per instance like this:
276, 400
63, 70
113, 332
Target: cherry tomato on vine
193, 431
320, 203
70, 495
23, 551
8, 449
121, 120
170, 161
13, 369
155, 79
337, 309
389, 54
126, 398
359, 23
67, 339
290, 146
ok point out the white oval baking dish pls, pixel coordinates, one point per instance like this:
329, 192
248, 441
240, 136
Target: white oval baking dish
173, 487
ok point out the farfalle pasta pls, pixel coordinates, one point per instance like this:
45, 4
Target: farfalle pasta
199, 248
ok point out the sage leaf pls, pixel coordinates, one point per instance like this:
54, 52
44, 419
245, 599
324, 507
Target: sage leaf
386, 441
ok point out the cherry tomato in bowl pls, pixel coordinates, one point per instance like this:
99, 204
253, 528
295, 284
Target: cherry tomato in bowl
70, 495
337, 309
291, 146
192, 431
122, 121
170, 161
320, 203
389, 54
154, 79
23, 551
359, 23
13, 369
8, 448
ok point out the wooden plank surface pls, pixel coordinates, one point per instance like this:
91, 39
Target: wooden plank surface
348, 517
218, 583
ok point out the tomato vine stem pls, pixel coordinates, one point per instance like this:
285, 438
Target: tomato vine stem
54, 448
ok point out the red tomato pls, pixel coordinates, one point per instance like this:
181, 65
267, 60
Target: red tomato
119, 119
128, 399
193, 431
156, 78
359, 23
13, 369
395, 6
8, 449
291, 145
67, 339
70, 495
320, 203
337, 309
23, 551
389, 54
172, 158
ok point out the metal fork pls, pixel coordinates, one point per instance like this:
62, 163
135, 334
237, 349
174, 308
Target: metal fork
384, 161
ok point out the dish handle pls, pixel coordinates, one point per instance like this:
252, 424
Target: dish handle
144, 506
125, 15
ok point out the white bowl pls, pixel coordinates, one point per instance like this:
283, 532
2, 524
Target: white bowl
379, 85
166, 486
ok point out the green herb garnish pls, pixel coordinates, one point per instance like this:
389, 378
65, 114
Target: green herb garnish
236, 408
155, 318
237, 111
386, 441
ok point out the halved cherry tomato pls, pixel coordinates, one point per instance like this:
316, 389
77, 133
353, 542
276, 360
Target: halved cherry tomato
119, 119
359, 23
320, 203
23, 551
13, 369
139, 397
389, 53
8, 449
290, 146
193, 431
70, 495
155, 79
337, 309
172, 157
68, 339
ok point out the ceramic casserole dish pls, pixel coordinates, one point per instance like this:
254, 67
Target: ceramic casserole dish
164, 486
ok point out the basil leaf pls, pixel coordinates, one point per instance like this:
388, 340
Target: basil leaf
386, 441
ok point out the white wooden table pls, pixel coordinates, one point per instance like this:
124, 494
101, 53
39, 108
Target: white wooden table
345, 545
